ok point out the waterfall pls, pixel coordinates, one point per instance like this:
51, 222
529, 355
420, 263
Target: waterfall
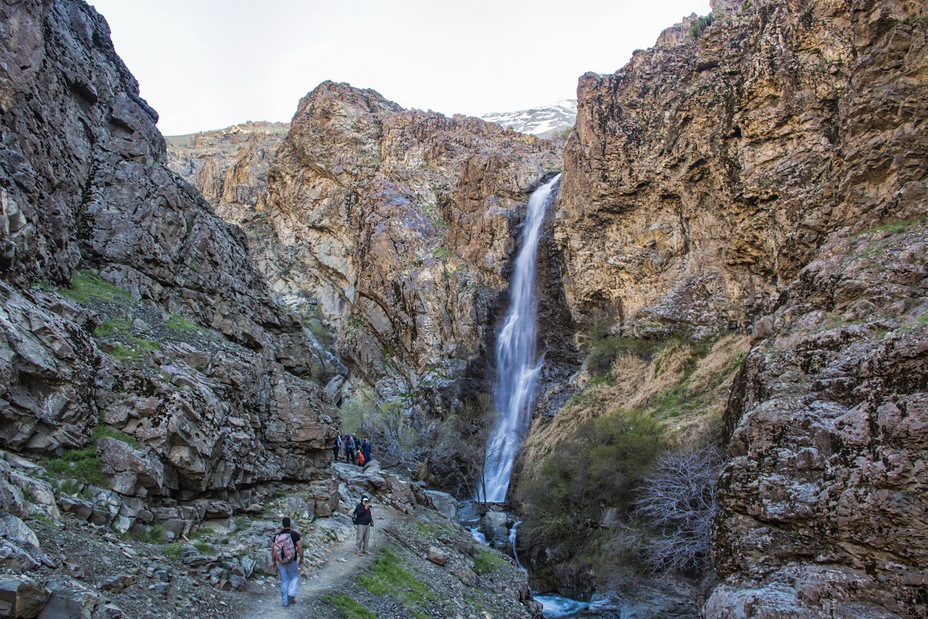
516, 364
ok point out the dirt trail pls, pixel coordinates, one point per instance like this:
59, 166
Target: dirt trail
342, 564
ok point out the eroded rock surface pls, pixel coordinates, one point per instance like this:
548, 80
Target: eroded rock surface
151, 317
771, 175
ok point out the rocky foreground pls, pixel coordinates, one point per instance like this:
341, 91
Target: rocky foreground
61, 558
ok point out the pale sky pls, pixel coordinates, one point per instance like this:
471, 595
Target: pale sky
208, 64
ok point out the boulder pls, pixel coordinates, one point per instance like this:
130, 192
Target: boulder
437, 556
21, 596
443, 503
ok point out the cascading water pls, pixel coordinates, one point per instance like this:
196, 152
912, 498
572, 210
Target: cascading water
516, 364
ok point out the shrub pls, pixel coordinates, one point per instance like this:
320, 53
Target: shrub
599, 468
81, 464
679, 501
699, 26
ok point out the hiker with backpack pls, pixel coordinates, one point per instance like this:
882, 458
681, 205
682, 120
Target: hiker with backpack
285, 549
349, 449
366, 449
363, 522
337, 446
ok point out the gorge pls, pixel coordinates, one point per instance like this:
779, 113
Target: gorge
732, 293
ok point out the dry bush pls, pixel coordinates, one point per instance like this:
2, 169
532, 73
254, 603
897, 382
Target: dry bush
679, 501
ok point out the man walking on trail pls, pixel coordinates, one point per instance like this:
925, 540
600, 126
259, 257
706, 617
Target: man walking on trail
285, 550
363, 522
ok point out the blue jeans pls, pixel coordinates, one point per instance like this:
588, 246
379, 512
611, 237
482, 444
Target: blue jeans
289, 579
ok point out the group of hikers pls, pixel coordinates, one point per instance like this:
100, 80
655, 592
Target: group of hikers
287, 549
356, 451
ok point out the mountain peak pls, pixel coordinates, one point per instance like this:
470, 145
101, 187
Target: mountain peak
544, 121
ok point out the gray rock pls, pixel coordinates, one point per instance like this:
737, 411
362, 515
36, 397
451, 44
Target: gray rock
444, 503
17, 531
21, 596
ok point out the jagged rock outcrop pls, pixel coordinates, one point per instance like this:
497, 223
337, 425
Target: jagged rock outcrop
125, 302
399, 223
392, 226
229, 166
772, 175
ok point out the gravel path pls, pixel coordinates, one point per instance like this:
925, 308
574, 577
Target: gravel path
342, 564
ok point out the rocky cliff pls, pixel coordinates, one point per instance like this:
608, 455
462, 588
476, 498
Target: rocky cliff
769, 173
128, 308
392, 229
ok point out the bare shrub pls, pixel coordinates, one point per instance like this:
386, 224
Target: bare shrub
386, 423
679, 501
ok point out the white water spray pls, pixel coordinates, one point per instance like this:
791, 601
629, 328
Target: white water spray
516, 364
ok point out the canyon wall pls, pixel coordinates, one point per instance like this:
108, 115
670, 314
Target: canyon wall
770, 175
392, 230
128, 307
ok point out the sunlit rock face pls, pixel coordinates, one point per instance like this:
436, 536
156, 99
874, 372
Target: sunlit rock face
771, 175
179, 343
393, 227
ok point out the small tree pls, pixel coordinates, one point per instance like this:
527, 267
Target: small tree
679, 500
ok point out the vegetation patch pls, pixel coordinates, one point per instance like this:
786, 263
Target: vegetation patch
486, 562
180, 324
389, 577
586, 475
154, 535
699, 26
896, 227
348, 608
109, 327
80, 464
600, 466
87, 287
205, 548
106, 431
132, 349
174, 551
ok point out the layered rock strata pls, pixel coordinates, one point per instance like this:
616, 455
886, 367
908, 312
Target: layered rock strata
771, 175
149, 315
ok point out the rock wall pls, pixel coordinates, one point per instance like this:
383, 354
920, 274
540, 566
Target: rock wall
393, 227
770, 175
126, 303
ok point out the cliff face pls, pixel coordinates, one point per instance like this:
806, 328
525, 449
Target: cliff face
400, 224
126, 303
393, 228
772, 175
